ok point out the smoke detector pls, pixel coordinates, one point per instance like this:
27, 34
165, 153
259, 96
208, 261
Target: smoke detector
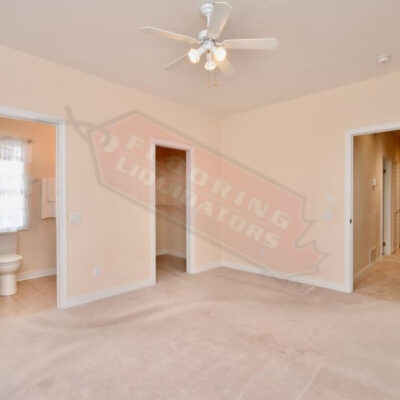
383, 58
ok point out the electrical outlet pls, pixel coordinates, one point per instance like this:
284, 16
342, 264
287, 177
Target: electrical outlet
96, 270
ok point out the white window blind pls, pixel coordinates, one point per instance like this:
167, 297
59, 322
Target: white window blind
14, 185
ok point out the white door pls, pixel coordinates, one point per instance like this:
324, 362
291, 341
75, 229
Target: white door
396, 206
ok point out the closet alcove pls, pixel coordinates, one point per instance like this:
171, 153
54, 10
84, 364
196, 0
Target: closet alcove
170, 210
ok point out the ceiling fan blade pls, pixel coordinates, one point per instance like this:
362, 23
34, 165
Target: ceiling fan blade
218, 19
251, 44
226, 67
169, 35
174, 64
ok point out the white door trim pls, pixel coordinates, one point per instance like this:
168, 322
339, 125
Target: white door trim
348, 226
395, 205
61, 184
190, 250
386, 208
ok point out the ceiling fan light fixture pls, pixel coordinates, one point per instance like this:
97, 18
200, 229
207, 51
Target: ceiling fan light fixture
219, 54
210, 65
195, 54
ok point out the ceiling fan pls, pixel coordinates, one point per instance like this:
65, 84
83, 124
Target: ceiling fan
217, 15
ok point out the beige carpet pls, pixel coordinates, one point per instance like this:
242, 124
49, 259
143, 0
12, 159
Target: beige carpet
221, 334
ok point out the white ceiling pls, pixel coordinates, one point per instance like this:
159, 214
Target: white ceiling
323, 44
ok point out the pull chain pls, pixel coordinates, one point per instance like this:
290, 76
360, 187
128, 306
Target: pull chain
209, 84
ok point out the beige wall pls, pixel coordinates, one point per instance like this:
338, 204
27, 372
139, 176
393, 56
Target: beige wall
114, 233
171, 213
38, 244
301, 144
369, 151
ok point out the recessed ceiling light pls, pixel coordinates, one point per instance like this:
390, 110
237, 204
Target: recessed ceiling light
383, 59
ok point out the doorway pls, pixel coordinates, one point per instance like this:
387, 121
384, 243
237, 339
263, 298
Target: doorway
56, 191
396, 205
173, 219
372, 223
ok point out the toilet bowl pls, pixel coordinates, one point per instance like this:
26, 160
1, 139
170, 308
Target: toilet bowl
9, 265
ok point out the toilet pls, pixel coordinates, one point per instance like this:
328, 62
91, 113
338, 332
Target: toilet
10, 262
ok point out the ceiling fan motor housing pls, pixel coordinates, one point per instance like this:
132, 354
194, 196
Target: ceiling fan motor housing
203, 35
206, 9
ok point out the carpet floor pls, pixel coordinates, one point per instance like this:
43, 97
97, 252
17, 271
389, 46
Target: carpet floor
221, 334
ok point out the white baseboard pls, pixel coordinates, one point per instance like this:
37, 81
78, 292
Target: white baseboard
206, 267
171, 253
38, 273
109, 292
304, 279
368, 267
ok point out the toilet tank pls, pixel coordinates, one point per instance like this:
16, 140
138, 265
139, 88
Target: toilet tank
8, 243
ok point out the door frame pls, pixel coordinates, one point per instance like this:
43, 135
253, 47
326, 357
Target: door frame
395, 206
349, 194
61, 191
387, 209
190, 225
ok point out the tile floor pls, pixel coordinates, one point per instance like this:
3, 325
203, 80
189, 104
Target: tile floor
33, 295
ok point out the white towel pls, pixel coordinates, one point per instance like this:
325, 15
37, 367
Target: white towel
48, 198
51, 189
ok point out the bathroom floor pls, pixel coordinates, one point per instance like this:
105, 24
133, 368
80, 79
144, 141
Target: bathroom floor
33, 295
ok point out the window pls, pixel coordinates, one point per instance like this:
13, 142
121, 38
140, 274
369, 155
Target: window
14, 185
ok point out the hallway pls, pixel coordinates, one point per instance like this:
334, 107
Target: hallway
382, 281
